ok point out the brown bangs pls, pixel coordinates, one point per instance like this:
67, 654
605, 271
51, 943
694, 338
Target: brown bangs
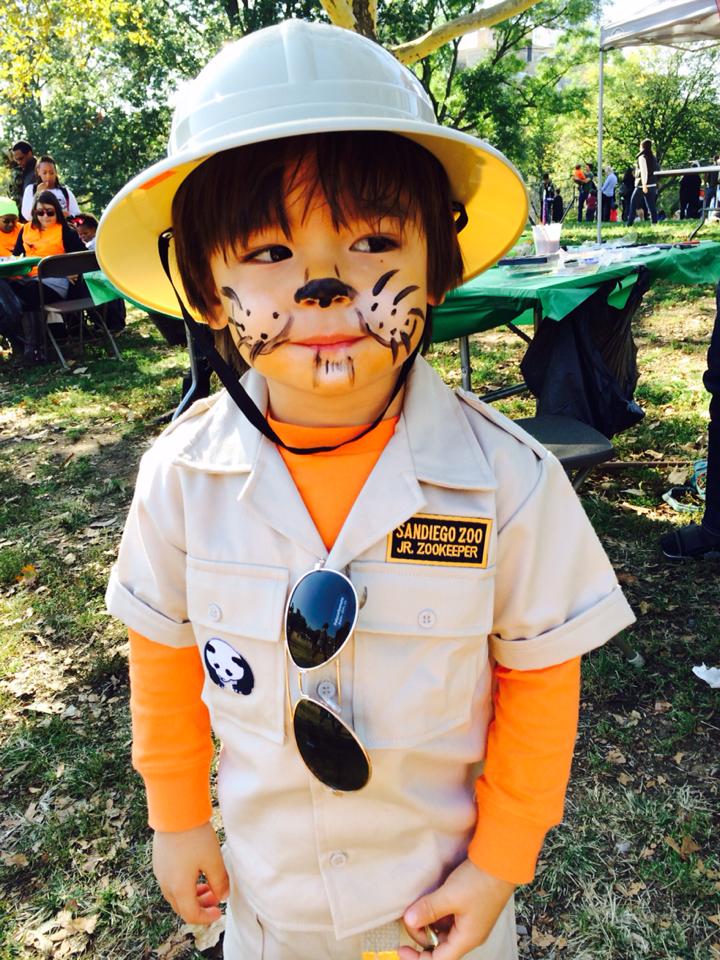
360, 174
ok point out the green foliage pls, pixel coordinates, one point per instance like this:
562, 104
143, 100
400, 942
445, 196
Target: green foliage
100, 98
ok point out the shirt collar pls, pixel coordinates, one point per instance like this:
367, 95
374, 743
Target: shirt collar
444, 449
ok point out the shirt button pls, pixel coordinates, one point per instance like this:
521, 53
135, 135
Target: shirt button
326, 690
427, 619
214, 612
338, 859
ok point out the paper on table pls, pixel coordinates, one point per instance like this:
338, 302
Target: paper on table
710, 675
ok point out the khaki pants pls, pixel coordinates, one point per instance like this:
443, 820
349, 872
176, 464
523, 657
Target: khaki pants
247, 938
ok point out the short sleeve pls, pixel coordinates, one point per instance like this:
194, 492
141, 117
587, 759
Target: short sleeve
147, 584
557, 595
27, 201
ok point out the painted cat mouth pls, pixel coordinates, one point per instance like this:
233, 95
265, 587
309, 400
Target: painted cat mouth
330, 340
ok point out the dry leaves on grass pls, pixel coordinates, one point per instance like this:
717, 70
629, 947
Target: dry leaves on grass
62, 936
540, 938
686, 846
201, 936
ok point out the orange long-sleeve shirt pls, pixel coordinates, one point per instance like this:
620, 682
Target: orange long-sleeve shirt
521, 792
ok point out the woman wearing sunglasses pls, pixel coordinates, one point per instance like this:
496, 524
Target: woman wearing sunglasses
366, 583
45, 235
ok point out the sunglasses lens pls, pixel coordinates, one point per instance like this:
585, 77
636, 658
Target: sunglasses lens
321, 616
329, 749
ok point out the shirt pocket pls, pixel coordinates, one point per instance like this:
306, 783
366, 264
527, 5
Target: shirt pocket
237, 611
421, 654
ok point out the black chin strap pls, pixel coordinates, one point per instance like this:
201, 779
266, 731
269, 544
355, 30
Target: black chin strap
203, 338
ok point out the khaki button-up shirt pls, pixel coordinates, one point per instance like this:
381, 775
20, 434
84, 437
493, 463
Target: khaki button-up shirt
217, 535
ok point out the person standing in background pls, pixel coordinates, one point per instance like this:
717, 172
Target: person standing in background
48, 178
645, 191
608, 192
25, 163
711, 188
580, 180
547, 195
690, 185
626, 190
701, 541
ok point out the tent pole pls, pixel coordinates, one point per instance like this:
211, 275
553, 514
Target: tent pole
601, 94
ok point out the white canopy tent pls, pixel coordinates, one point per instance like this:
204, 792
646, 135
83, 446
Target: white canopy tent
673, 22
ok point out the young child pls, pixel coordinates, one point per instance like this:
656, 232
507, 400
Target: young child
366, 584
86, 226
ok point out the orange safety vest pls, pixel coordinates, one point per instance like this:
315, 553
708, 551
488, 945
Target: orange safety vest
7, 240
42, 243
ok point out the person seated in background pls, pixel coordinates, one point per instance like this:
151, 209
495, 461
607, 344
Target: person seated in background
45, 235
48, 178
9, 226
86, 226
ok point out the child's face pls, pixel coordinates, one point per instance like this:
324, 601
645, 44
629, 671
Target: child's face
47, 174
7, 222
85, 232
328, 311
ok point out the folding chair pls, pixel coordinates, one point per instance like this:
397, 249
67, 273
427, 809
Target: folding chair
578, 446
63, 266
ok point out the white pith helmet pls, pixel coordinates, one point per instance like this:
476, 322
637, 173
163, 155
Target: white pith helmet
292, 79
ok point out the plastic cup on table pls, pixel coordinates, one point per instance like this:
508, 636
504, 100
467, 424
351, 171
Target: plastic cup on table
546, 238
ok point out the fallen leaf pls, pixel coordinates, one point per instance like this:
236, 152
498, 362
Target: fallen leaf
13, 859
541, 939
205, 936
688, 846
677, 477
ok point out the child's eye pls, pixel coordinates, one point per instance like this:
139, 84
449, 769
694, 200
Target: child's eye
375, 244
272, 254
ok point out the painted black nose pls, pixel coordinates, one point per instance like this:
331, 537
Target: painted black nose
325, 292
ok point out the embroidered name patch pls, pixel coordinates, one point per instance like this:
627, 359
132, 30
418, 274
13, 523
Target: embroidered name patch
428, 538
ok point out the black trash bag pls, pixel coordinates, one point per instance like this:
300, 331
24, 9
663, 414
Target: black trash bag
10, 315
584, 366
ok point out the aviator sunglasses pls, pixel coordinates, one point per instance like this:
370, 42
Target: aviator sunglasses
320, 618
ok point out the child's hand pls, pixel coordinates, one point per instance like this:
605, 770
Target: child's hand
178, 858
471, 899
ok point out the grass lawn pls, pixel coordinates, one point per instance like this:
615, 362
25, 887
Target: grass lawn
633, 872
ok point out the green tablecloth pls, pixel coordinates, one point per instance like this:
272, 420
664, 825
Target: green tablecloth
103, 291
16, 268
498, 296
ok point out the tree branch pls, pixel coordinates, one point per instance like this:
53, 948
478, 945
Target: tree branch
414, 50
341, 13
449, 80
